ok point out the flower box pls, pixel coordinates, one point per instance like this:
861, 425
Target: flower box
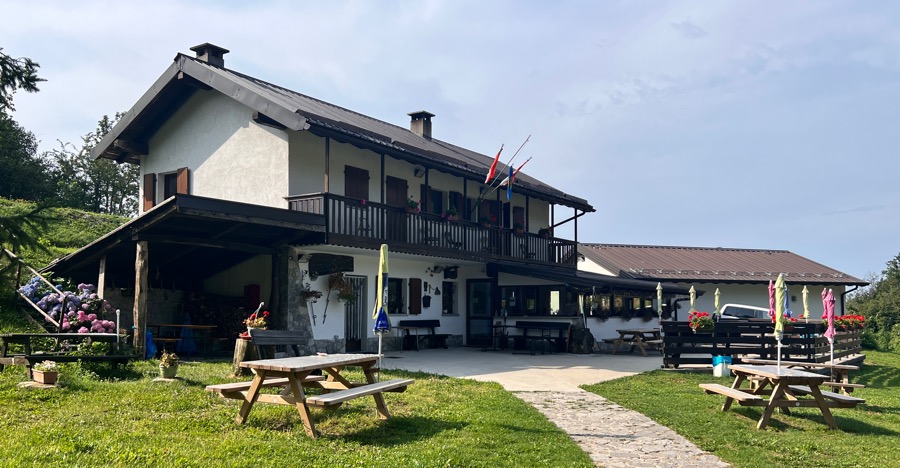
45, 377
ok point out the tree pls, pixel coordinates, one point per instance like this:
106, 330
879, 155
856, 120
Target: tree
23, 174
879, 303
16, 73
101, 185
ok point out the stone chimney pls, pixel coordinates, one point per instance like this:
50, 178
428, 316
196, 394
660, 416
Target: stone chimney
211, 54
420, 123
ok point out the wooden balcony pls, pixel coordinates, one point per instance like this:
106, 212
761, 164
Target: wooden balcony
351, 223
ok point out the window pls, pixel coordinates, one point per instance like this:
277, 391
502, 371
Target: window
538, 300
396, 297
435, 200
170, 185
448, 298
356, 183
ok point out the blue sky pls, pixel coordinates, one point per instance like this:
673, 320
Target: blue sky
732, 124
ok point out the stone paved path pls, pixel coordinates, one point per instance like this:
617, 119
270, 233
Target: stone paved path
614, 436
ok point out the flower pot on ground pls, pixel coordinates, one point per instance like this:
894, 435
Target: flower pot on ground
168, 365
45, 372
545, 233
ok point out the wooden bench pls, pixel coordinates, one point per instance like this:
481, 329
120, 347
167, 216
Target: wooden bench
234, 390
844, 401
269, 342
545, 330
436, 340
340, 396
656, 344
743, 398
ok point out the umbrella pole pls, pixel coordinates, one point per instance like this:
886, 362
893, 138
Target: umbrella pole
379, 357
778, 351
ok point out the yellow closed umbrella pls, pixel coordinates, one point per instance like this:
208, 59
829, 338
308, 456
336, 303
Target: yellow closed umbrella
806, 304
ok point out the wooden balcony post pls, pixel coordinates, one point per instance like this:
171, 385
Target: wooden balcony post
141, 293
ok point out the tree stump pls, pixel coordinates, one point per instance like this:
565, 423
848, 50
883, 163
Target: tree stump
243, 351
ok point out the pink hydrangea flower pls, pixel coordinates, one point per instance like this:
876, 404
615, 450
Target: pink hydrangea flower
83, 330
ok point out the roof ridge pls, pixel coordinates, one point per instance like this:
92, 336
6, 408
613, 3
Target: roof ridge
686, 247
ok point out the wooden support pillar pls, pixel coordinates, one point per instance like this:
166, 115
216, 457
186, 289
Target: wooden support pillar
141, 293
101, 278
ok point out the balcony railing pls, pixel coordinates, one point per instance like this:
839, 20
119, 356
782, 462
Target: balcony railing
354, 223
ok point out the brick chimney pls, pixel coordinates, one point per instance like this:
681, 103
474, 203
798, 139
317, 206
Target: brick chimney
420, 123
211, 54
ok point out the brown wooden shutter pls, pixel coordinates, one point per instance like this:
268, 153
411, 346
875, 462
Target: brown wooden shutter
149, 191
184, 181
415, 296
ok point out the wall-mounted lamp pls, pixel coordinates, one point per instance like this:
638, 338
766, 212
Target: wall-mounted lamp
419, 172
437, 291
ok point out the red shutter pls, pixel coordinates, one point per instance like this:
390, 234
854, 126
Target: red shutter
184, 182
149, 191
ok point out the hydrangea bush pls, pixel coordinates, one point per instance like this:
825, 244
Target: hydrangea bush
84, 309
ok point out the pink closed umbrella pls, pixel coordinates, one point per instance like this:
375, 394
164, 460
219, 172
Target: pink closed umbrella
828, 303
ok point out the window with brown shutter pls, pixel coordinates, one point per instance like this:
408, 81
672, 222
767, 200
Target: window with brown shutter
356, 183
184, 184
149, 191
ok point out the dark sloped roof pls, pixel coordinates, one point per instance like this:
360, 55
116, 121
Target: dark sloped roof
582, 279
711, 265
297, 111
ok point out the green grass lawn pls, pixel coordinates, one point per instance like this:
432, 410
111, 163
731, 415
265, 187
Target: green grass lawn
867, 436
125, 418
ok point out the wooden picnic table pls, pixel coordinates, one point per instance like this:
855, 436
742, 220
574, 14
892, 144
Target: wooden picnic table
786, 385
57, 353
840, 373
166, 333
640, 338
296, 373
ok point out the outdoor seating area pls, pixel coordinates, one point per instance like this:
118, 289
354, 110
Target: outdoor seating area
638, 338
784, 386
416, 333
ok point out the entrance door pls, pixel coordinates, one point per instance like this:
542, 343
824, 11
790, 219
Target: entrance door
395, 196
355, 315
479, 313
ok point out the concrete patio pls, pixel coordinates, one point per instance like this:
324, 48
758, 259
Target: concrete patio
523, 372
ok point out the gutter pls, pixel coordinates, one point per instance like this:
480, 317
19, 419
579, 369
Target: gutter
843, 301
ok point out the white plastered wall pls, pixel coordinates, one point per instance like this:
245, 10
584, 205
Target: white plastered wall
229, 156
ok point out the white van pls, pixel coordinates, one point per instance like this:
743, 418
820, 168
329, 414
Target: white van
742, 311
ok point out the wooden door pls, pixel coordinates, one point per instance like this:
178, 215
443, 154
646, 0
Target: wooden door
356, 314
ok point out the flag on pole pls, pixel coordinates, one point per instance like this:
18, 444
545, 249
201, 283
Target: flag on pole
513, 178
509, 185
492, 170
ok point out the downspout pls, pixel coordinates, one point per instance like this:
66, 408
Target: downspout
843, 301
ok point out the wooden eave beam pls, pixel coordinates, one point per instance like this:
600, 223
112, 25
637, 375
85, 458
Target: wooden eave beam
264, 119
192, 82
131, 147
200, 242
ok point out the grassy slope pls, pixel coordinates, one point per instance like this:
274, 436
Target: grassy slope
867, 435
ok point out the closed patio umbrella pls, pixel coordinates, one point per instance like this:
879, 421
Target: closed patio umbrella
780, 296
828, 304
693, 293
382, 322
716, 303
659, 302
772, 301
806, 304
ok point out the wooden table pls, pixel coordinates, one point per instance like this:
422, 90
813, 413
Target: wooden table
638, 337
840, 373
295, 374
786, 384
29, 357
175, 335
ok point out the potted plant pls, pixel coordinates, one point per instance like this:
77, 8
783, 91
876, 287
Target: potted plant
787, 323
451, 214
168, 365
487, 221
45, 372
545, 232
412, 206
518, 228
701, 322
257, 320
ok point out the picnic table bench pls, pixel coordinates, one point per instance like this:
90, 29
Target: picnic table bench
294, 374
414, 340
543, 334
58, 352
839, 373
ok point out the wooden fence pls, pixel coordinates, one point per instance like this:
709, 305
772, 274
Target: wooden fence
754, 339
